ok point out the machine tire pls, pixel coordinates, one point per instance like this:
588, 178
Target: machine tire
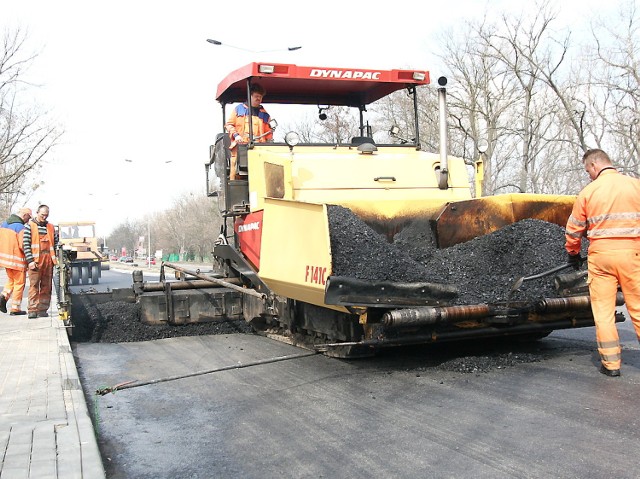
95, 273
75, 275
85, 275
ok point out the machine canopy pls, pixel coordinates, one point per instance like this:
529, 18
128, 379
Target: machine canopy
304, 85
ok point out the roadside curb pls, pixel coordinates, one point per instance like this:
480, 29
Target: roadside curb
79, 440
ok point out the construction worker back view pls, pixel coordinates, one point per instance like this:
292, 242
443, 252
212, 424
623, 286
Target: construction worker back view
13, 260
40, 241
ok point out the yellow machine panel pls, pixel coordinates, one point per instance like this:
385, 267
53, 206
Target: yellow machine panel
384, 189
298, 263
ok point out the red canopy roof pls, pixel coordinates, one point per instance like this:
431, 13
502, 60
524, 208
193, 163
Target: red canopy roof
293, 84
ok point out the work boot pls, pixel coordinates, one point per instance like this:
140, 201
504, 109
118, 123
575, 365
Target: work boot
32, 315
3, 303
17, 313
613, 373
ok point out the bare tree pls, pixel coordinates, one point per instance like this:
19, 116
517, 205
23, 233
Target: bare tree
189, 228
513, 85
616, 72
339, 126
306, 127
396, 110
127, 236
482, 98
26, 135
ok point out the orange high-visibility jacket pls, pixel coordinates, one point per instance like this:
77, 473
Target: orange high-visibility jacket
607, 212
35, 241
11, 253
239, 123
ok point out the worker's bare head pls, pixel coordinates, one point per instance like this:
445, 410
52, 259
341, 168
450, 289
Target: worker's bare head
257, 94
25, 214
594, 161
42, 213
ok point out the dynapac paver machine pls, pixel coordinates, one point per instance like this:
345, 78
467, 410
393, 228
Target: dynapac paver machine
302, 216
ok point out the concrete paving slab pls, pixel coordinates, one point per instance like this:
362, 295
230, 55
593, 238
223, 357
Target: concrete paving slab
45, 428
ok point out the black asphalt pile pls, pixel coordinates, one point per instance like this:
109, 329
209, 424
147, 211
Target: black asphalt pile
486, 363
467, 357
357, 251
119, 322
483, 269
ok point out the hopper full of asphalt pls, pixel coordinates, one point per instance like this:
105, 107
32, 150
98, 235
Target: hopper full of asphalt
483, 269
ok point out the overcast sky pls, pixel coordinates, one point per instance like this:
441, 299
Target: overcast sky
136, 80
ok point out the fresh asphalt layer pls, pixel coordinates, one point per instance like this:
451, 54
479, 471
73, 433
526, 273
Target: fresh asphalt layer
187, 412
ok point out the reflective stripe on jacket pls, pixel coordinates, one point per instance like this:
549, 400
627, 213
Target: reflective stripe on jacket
607, 212
11, 253
239, 123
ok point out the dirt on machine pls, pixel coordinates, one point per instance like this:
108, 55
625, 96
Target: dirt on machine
353, 246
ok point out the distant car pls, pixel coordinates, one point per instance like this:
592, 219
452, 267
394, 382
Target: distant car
126, 259
113, 257
151, 260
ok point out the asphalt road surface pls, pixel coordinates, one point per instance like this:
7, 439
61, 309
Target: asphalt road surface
119, 276
490, 410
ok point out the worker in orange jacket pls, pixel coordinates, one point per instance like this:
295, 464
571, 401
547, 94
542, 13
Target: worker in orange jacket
40, 242
238, 125
12, 259
607, 212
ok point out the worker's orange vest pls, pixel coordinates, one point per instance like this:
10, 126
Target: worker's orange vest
11, 253
35, 242
607, 212
239, 123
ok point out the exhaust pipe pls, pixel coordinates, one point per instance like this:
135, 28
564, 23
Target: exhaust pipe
443, 181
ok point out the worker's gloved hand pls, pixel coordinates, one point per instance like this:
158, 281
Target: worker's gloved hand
574, 260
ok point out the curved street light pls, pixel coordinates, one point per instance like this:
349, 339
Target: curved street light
217, 42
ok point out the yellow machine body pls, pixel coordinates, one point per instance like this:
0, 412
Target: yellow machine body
278, 206
387, 189
80, 236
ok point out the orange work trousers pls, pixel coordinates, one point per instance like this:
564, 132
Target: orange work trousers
40, 285
607, 270
14, 288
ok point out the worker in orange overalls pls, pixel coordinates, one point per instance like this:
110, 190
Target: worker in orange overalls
238, 125
40, 242
12, 259
607, 212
